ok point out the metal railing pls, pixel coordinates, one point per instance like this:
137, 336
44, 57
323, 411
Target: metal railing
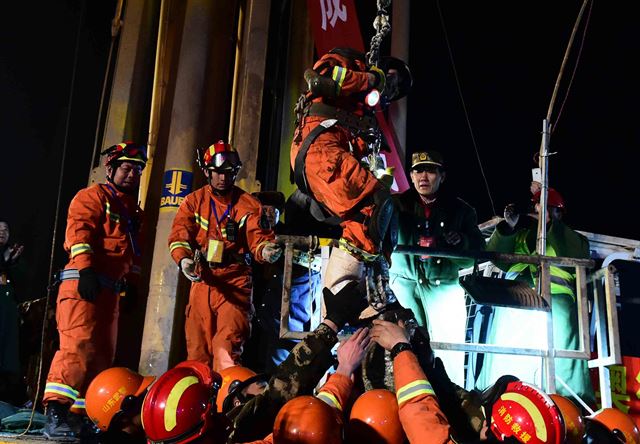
604, 309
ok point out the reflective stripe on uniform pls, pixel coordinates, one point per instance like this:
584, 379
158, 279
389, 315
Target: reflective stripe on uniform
338, 75
179, 244
562, 281
80, 248
328, 398
413, 389
345, 245
78, 404
61, 389
204, 223
113, 216
243, 220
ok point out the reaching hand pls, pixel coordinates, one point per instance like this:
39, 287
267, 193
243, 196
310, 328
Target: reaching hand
510, 215
12, 253
271, 252
351, 351
387, 334
452, 238
188, 268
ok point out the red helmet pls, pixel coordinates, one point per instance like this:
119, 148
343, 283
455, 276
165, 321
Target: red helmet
179, 406
231, 377
113, 392
374, 419
219, 156
128, 151
572, 418
307, 420
617, 423
527, 414
554, 199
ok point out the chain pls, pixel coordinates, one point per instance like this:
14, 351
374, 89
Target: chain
382, 26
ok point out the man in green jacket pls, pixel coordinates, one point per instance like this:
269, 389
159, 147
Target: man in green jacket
526, 328
430, 217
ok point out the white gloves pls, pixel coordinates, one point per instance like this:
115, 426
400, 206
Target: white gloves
188, 268
510, 215
271, 252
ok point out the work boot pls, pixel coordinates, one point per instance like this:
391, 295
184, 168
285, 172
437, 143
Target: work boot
57, 426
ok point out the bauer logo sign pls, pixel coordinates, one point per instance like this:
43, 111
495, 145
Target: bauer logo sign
176, 185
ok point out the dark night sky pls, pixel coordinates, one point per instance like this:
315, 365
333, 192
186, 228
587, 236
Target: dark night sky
507, 56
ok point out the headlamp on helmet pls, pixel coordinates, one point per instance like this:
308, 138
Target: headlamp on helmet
125, 152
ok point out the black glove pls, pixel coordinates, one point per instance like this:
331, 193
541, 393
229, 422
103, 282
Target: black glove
344, 306
128, 301
88, 284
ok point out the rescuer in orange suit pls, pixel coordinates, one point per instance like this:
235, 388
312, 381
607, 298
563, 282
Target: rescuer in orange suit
336, 129
102, 239
215, 234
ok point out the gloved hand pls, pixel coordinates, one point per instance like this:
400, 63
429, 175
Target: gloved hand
129, 299
510, 215
271, 252
320, 85
188, 268
452, 238
88, 284
380, 79
344, 306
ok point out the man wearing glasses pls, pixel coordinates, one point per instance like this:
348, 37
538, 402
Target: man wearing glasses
102, 239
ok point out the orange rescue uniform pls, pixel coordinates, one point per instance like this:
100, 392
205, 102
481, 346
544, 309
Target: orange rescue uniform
334, 175
97, 236
220, 306
420, 414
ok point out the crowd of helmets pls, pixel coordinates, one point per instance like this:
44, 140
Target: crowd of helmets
187, 403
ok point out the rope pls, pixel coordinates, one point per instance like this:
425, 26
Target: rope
51, 284
464, 107
575, 67
382, 26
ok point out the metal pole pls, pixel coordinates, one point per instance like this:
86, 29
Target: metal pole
542, 206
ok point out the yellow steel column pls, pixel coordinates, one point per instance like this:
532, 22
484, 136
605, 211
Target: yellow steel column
128, 99
251, 57
183, 137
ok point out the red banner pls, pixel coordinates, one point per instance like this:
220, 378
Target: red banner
335, 23
625, 386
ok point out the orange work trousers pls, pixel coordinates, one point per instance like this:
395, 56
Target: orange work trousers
339, 182
218, 322
88, 333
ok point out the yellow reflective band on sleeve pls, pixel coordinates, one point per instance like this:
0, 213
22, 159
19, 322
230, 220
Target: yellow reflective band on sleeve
113, 216
171, 406
243, 220
80, 248
413, 389
78, 404
204, 223
175, 245
328, 398
338, 75
62, 389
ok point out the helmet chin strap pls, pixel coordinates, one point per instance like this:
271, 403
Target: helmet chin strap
119, 188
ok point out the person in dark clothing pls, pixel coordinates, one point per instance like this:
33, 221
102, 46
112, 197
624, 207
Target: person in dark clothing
11, 269
430, 217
